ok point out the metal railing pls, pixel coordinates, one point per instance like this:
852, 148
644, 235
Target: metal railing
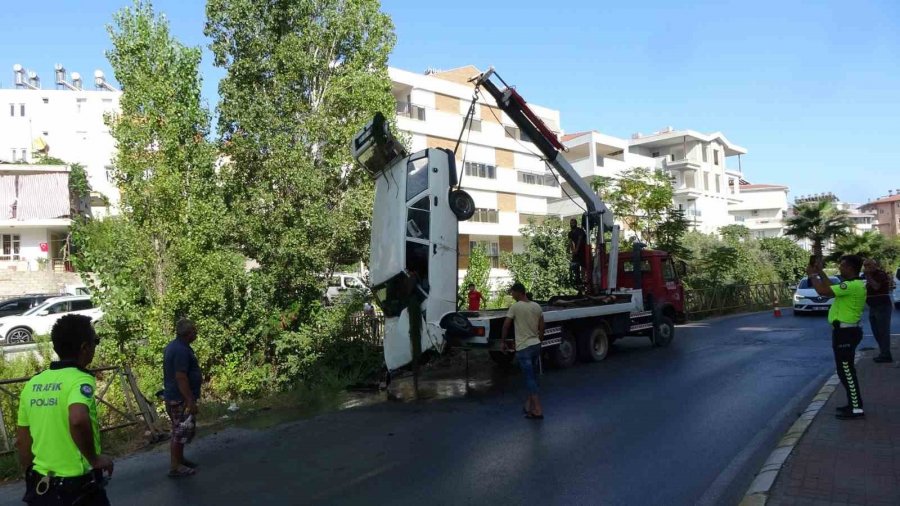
736, 298
119, 404
369, 329
411, 110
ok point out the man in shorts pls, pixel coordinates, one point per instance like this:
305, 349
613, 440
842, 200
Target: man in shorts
181, 381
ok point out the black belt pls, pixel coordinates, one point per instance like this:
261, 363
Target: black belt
86, 484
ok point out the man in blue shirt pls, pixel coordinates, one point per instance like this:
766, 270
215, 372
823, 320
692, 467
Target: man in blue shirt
181, 382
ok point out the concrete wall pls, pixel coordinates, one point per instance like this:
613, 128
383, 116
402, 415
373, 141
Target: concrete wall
14, 283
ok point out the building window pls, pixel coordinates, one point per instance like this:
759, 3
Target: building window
718, 184
654, 154
525, 218
12, 110
22, 110
689, 179
46, 100
24, 154
705, 155
716, 156
539, 179
10, 247
511, 132
492, 249
475, 125
706, 181
486, 216
110, 174
79, 102
480, 170
13, 154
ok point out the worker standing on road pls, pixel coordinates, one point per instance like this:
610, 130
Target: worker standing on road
844, 317
181, 381
475, 298
878, 285
527, 318
58, 436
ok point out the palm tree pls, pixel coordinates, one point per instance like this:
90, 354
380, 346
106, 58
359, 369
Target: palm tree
869, 245
819, 222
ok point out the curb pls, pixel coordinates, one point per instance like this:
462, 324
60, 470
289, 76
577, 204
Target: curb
758, 493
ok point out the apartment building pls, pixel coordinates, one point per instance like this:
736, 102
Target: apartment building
497, 164
60, 117
704, 186
762, 209
885, 212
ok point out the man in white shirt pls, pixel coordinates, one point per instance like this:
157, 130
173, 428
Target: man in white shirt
527, 319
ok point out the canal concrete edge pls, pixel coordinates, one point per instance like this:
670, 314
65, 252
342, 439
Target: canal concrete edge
758, 493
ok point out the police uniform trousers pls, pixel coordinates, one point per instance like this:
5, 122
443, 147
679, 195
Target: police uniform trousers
844, 342
78, 491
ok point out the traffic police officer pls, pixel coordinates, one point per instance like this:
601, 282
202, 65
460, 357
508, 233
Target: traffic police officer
844, 316
58, 436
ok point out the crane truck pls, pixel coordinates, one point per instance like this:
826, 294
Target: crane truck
414, 255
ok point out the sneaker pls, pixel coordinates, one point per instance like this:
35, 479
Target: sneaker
843, 409
851, 415
882, 360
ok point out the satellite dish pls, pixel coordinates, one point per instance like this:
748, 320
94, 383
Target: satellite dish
17, 68
98, 74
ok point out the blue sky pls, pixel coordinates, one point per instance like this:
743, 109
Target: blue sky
812, 90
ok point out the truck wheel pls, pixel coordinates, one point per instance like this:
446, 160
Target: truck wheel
462, 205
565, 353
594, 346
664, 332
502, 359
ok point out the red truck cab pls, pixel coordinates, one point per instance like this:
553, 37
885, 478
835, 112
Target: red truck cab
660, 282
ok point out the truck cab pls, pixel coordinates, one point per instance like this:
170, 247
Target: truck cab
659, 281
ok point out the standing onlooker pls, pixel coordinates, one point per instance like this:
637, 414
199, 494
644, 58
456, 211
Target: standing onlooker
181, 379
528, 320
844, 316
58, 436
878, 285
475, 298
577, 241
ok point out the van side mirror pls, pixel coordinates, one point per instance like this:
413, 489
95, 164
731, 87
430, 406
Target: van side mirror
681, 268
43, 313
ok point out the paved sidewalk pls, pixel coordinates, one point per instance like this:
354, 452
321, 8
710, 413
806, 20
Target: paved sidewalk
849, 461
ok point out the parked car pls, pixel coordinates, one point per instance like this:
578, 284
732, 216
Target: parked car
806, 300
340, 285
40, 319
897, 289
22, 303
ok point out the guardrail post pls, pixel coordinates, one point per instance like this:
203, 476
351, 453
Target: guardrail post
3, 433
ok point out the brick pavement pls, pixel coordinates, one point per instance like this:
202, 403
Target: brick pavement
849, 461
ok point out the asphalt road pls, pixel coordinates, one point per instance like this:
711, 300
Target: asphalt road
688, 424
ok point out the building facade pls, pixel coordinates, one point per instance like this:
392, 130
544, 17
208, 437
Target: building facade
497, 165
61, 118
762, 209
885, 212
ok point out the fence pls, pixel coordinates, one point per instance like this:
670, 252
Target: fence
366, 328
119, 404
735, 298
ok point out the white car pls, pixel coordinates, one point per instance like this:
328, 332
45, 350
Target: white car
39, 320
806, 300
340, 285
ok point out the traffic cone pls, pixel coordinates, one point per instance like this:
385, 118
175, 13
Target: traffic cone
777, 309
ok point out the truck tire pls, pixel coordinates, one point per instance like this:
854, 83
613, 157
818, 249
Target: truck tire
564, 354
663, 332
594, 346
462, 204
502, 359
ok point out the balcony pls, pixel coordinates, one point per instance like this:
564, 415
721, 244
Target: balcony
412, 111
682, 164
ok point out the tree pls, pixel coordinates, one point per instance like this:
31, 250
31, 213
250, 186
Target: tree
670, 234
543, 266
788, 259
640, 197
478, 273
869, 244
165, 255
819, 222
734, 233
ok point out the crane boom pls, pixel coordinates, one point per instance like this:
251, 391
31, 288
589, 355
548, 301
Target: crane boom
597, 214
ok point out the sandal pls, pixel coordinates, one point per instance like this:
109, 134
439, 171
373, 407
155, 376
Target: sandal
532, 416
182, 472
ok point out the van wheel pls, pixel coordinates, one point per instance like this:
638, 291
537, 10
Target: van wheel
18, 335
462, 204
565, 353
663, 332
594, 346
